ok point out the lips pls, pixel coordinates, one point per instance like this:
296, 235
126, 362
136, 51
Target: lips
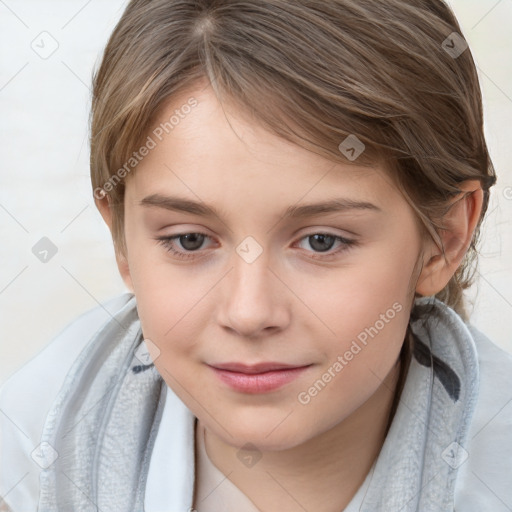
255, 368
257, 378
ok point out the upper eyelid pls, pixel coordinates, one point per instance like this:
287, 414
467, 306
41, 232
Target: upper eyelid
310, 230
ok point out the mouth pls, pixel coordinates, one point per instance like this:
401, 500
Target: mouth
257, 378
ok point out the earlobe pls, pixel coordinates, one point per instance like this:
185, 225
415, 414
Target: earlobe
460, 222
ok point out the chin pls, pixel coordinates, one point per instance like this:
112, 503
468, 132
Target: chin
263, 442
268, 432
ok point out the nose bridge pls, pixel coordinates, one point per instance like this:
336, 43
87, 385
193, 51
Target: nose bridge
251, 271
251, 300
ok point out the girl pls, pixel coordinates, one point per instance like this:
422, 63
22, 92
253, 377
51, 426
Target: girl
295, 191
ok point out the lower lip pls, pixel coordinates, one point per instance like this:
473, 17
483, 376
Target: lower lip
259, 382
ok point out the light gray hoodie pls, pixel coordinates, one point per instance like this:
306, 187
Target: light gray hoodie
449, 446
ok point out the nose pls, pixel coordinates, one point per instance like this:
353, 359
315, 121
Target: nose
255, 299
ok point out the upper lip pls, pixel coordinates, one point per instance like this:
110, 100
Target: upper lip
255, 368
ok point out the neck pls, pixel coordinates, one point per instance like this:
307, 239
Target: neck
322, 474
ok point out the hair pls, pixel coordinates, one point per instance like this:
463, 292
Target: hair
312, 72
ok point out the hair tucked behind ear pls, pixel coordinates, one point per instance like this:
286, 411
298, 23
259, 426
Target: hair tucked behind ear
313, 72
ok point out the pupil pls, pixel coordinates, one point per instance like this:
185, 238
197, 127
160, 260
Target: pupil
192, 239
321, 239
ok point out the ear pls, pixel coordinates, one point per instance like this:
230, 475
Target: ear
104, 206
460, 222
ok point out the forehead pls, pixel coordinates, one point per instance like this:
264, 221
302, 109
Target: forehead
204, 147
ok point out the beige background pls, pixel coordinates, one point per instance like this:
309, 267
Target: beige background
45, 187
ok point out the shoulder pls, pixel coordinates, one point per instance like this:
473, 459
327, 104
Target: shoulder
26, 398
484, 478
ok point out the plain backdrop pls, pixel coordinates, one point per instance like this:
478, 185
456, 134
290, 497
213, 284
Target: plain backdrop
48, 51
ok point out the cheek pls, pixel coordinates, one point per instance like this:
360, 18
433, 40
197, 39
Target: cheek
170, 318
365, 310
168, 306
357, 363
168, 296
348, 300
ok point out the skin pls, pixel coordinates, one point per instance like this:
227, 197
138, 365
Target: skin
293, 304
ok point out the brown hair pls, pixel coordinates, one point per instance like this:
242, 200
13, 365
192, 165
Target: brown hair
313, 72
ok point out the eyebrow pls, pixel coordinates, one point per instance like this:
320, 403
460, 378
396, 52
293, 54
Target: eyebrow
179, 204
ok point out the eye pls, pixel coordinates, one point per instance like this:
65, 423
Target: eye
192, 242
189, 241
323, 242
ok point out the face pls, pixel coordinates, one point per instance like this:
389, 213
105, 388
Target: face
326, 293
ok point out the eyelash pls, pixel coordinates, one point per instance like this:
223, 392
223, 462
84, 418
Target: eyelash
167, 242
